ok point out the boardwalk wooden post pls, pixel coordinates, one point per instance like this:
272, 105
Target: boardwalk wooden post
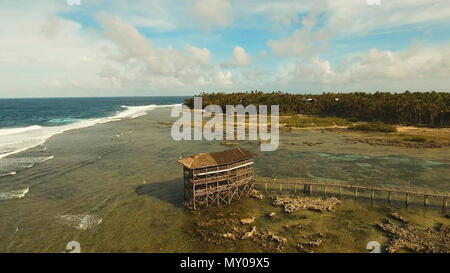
265, 187
307, 188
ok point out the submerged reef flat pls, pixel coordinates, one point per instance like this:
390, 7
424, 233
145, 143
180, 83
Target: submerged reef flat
398, 142
405, 235
296, 203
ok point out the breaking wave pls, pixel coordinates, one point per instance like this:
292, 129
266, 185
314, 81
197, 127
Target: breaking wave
16, 140
81, 221
13, 194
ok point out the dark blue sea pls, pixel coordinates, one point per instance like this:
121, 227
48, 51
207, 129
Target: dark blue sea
16, 113
28, 123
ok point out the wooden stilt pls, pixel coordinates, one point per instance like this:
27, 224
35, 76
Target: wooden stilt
218, 194
193, 193
406, 198
372, 195
295, 189
325, 192
389, 197
265, 186
310, 189
340, 192
425, 201
356, 193
281, 187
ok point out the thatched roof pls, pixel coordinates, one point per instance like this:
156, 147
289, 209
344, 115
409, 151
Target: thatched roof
217, 158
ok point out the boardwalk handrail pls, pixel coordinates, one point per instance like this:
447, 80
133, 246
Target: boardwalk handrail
284, 181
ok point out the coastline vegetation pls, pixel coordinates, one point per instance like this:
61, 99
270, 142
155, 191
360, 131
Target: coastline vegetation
311, 121
429, 109
375, 126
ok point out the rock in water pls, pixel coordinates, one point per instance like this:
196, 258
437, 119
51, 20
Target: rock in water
406, 235
249, 234
247, 221
291, 204
256, 194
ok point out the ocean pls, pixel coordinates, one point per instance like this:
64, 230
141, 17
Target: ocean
26, 123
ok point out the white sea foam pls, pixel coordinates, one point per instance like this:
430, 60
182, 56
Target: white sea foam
8, 174
81, 221
9, 131
16, 140
9, 165
13, 194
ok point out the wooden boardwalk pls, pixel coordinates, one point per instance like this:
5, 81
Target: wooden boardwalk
308, 188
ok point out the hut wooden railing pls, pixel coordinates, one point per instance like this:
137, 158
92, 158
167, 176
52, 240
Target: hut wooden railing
222, 176
308, 188
222, 168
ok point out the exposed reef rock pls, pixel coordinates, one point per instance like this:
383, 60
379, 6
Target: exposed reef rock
404, 235
398, 143
247, 221
217, 230
312, 143
291, 204
312, 241
256, 194
295, 227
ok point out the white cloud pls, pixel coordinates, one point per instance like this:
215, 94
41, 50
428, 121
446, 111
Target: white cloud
225, 78
240, 59
417, 67
208, 14
303, 41
240, 56
42, 54
202, 55
157, 68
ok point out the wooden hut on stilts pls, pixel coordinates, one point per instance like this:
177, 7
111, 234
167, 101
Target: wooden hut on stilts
214, 179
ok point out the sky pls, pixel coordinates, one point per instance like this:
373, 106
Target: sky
67, 48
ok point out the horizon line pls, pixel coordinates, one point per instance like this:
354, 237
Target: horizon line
218, 92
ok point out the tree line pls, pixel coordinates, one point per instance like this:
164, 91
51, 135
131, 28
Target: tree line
409, 108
